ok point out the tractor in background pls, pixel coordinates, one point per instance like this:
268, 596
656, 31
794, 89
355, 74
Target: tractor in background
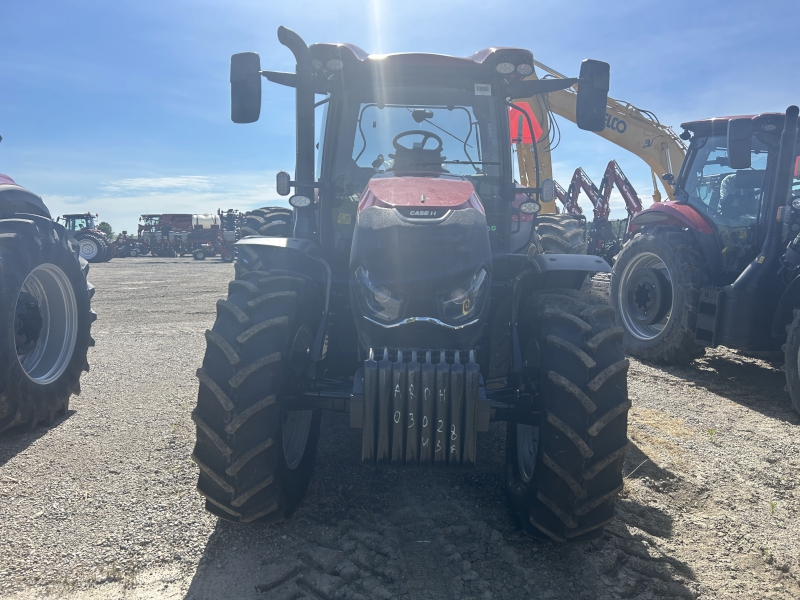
720, 265
94, 245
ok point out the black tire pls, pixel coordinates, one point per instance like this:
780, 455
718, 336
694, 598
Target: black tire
92, 247
561, 234
791, 359
256, 359
566, 490
199, 254
671, 339
109, 250
272, 221
38, 259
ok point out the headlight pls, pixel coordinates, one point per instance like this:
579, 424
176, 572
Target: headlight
376, 300
464, 302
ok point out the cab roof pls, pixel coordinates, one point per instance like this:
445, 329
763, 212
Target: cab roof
767, 122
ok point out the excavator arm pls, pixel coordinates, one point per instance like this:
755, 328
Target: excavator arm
614, 176
627, 126
580, 181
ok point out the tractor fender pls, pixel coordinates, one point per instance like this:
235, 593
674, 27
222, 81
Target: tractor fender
547, 271
301, 256
16, 199
672, 213
786, 305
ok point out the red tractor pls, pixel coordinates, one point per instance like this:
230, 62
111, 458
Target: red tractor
721, 264
94, 245
408, 291
45, 311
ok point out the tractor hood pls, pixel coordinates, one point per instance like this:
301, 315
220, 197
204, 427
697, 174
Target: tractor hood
422, 196
419, 242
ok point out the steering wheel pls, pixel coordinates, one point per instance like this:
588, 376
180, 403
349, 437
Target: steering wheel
426, 135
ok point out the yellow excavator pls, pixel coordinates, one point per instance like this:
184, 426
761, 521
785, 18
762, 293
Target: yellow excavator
627, 126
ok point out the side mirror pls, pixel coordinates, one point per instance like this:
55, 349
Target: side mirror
547, 190
245, 87
593, 95
740, 134
283, 183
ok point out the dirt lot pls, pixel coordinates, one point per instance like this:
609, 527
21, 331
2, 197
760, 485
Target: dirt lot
102, 504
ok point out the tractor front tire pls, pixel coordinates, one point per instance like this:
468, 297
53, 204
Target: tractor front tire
270, 221
255, 454
655, 290
561, 234
45, 320
792, 359
199, 254
563, 473
92, 246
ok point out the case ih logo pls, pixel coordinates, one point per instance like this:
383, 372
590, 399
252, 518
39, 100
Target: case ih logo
420, 213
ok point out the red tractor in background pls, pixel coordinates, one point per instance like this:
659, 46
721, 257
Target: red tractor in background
94, 245
721, 264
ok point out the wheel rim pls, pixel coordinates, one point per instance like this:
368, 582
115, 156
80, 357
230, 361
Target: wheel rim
48, 314
527, 449
646, 296
296, 428
88, 248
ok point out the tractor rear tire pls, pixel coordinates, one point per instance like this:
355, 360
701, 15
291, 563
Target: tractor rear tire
255, 454
680, 271
563, 475
45, 320
92, 246
792, 359
271, 221
561, 234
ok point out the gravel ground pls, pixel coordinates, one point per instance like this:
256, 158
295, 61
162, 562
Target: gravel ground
102, 504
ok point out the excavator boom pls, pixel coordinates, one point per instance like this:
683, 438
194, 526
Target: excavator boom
627, 126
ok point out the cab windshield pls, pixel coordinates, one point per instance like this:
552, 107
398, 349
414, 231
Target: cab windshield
727, 195
732, 199
413, 138
412, 131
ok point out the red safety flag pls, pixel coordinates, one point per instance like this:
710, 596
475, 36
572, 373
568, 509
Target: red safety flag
518, 124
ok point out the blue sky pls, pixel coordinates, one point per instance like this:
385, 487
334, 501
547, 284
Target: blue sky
122, 107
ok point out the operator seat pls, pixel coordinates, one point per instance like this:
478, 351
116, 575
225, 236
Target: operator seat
740, 193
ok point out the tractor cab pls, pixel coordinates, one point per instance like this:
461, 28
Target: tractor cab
79, 222
730, 197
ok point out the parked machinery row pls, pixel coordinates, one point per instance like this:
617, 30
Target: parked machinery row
200, 235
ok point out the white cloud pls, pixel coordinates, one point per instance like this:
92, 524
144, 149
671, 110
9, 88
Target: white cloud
158, 184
